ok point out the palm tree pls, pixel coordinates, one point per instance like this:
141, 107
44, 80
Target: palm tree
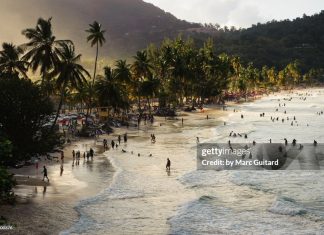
69, 73
122, 70
142, 70
11, 63
42, 47
95, 37
142, 65
110, 91
83, 95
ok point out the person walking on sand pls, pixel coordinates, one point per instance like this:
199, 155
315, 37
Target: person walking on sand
45, 173
168, 165
112, 144
119, 139
125, 138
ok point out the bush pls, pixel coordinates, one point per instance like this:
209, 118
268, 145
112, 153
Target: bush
25, 111
7, 182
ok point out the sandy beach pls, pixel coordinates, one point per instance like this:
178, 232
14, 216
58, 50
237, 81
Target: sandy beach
39, 200
129, 192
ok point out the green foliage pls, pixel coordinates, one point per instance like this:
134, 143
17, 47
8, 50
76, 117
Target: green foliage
7, 182
41, 48
276, 43
5, 150
24, 112
111, 92
11, 63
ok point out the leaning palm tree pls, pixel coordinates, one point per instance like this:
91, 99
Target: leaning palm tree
11, 63
95, 37
42, 47
69, 73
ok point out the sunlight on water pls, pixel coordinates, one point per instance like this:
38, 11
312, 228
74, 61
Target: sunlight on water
144, 199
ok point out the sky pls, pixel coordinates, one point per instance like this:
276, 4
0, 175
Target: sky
239, 13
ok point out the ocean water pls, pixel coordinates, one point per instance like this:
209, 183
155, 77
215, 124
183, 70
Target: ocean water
144, 199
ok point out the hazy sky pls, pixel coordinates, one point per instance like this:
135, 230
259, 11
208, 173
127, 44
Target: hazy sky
241, 13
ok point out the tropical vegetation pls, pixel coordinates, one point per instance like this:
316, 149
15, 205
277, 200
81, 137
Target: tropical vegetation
179, 72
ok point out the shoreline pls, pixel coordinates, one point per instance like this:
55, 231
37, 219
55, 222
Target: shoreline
58, 198
63, 205
71, 202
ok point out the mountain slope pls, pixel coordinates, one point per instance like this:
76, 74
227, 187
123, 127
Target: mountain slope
278, 43
130, 24
133, 24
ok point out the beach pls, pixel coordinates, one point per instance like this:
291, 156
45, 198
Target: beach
50, 205
136, 195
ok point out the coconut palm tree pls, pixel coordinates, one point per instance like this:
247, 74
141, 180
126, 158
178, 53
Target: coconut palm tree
83, 95
141, 71
69, 73
123, 72
41, 48
96, 38
11, 63
142, 65
110, 91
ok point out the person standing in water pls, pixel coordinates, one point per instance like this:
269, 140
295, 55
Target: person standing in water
61, 170
168, 165
45, 173
91, 153
62, 157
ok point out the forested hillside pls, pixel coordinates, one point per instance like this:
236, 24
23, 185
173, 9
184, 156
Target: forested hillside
277, 43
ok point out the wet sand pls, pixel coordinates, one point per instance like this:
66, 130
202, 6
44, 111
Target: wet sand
52, 205
48, 207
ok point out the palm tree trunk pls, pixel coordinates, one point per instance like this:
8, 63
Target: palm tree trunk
95, 68
93, 79
148, 103
58, 109
139, 103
